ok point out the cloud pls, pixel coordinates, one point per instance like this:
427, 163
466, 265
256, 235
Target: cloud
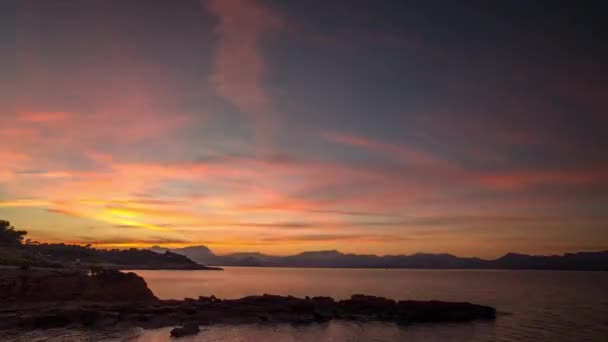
489, 220
122, 242
23, 203
125, 139
520, 180
275, 193
239, 68
334, 238
404, 153
43, 117
511, 176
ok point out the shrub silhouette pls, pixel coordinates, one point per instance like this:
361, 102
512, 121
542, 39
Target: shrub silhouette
9, 235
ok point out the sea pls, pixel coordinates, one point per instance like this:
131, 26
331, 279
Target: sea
531, 305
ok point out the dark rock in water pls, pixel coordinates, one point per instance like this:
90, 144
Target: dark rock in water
186, 330
369, 306
324, 308
405, 312
436, 311
212, 299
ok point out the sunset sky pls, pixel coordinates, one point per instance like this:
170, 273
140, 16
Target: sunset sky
382, 127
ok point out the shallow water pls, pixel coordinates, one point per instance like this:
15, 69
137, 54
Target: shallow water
534, 305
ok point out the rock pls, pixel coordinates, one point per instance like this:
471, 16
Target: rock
48, 299
212, 299
73, 285
107, 320
324, 308
204, 299
112, 285
186, 330
436, 311
86, 317
47, 321
368, 306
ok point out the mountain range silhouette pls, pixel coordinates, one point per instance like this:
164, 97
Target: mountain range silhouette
590, 261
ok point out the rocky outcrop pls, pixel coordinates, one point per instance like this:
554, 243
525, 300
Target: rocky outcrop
186, 330
254, 309
49, 299
75, 285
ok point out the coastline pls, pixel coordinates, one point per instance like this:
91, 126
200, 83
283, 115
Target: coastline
404, 268
42, 299
127, 268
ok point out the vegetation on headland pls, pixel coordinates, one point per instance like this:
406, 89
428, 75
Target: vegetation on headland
9, 235
15, 250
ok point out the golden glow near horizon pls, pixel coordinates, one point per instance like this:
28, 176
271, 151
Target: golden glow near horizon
212, 130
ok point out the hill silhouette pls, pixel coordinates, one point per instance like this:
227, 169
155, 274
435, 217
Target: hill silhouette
15, 252
592, 261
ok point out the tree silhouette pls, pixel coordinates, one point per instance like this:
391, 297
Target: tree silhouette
9, 235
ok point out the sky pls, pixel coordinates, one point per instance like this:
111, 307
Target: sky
388, 127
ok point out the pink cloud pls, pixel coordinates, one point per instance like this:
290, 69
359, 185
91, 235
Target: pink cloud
239, 67
509, 180
520, 180
404, 153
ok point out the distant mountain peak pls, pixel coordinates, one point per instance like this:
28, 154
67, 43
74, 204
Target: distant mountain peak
514, 255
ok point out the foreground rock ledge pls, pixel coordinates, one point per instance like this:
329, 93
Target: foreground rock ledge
94, 308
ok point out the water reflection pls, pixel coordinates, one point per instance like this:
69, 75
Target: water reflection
542, 305
333, 331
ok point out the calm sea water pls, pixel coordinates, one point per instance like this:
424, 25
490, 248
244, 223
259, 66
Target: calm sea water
533, 305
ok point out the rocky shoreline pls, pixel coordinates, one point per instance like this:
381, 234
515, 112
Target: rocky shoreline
41, 300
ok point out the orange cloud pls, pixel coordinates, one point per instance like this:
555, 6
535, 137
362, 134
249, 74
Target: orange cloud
43, 117
247, 201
